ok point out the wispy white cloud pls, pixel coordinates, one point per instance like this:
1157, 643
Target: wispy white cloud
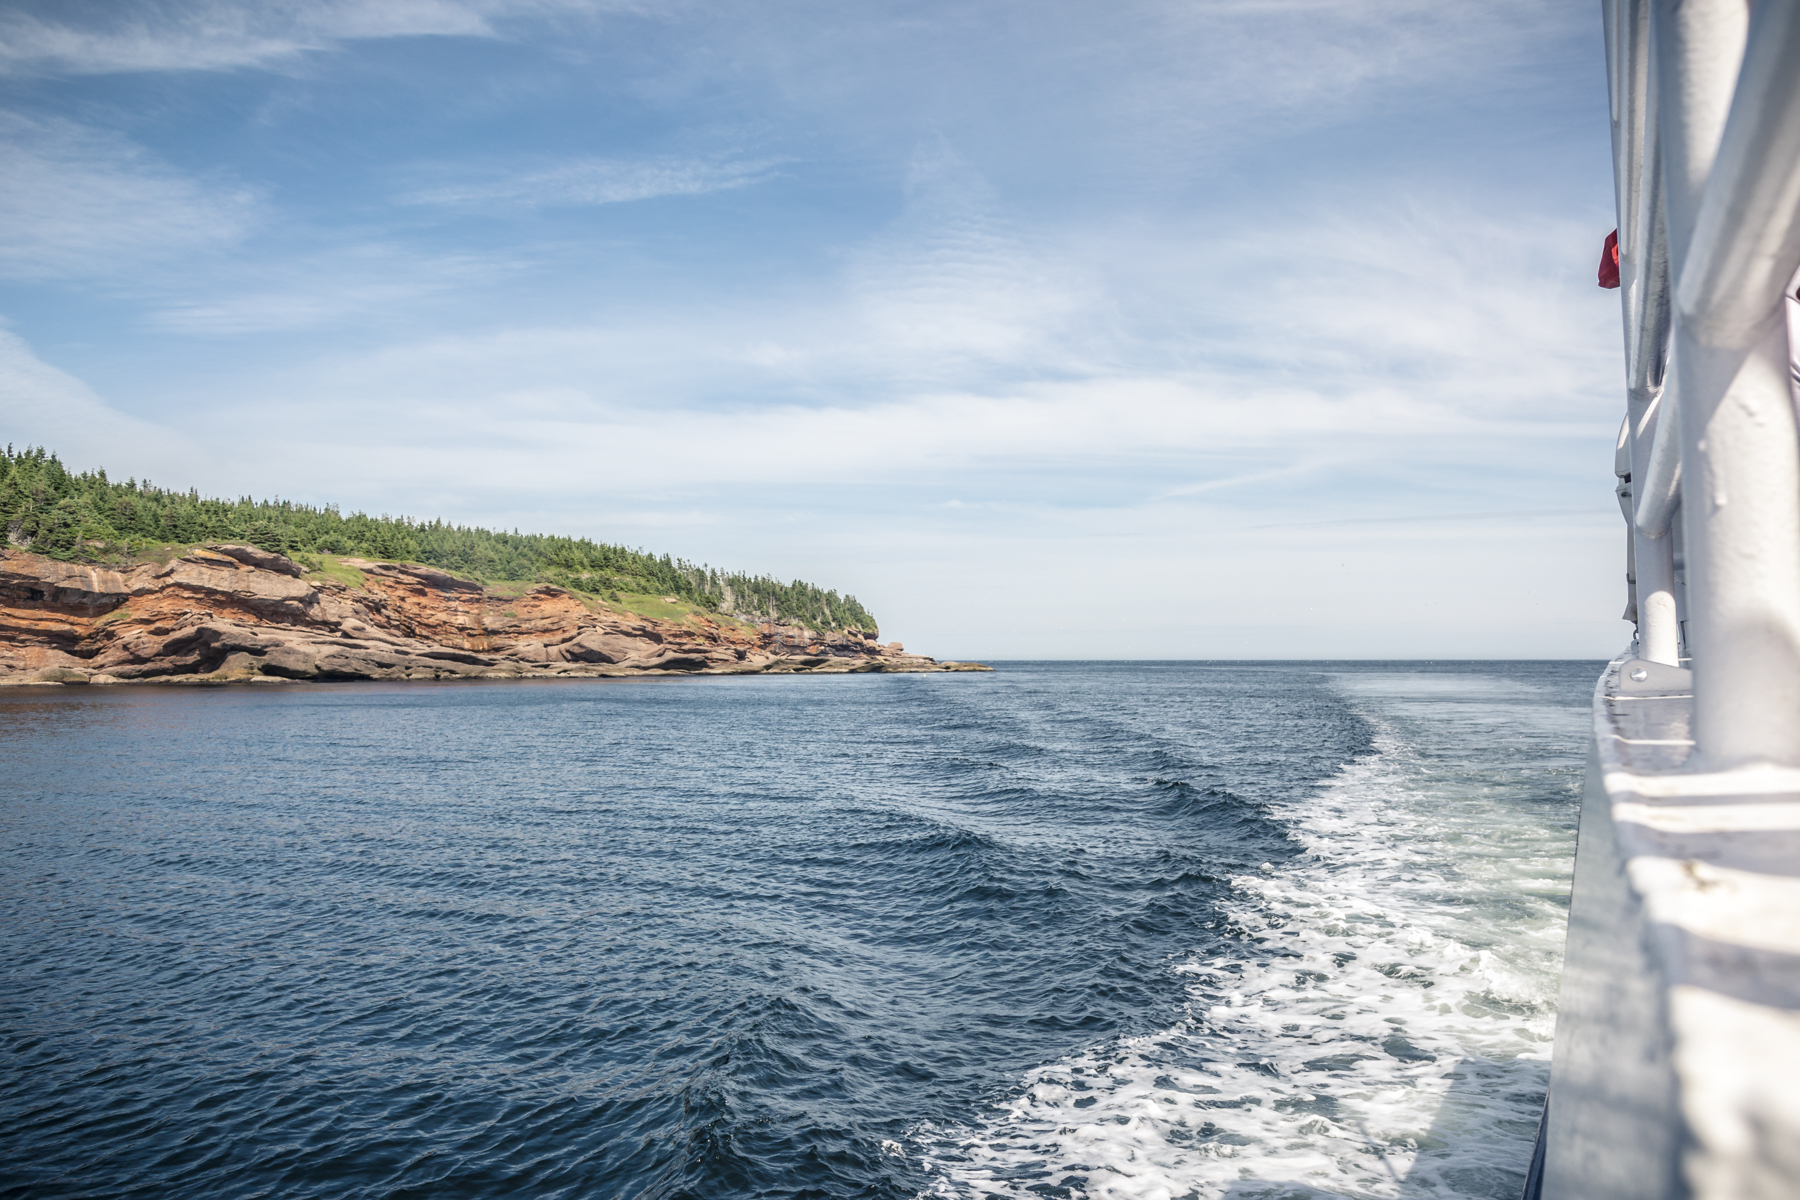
371, 284
1313, 59
41, 405
214, 35
1451, 347
588, 180
1409, 291
954, 285
79, 201
1242, 359
1131, 95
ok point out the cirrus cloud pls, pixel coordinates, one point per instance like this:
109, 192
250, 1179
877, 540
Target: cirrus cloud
86, 38
590, 180
77, 201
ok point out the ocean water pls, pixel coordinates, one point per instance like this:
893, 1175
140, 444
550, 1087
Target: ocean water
1080, 930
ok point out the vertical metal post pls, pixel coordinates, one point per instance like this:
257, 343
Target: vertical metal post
1740, 458
1644, 295
1653, 559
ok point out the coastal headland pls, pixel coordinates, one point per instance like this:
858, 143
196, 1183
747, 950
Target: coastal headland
228, 613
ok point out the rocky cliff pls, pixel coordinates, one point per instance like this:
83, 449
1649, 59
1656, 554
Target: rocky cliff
225, 613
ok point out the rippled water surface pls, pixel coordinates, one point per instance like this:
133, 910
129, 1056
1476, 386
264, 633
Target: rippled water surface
1154, 930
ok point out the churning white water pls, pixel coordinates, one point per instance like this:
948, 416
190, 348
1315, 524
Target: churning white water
1380, 1021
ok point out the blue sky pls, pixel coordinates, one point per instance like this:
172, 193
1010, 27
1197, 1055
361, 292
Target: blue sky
1254, 328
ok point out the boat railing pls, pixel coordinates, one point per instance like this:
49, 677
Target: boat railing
1678, 1014
1705, 103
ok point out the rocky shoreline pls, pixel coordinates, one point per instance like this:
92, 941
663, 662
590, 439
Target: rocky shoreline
231, 613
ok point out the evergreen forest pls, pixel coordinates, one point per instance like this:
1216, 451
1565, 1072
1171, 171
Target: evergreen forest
87, 517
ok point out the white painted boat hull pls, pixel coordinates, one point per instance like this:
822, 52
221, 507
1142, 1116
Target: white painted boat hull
1677, 1064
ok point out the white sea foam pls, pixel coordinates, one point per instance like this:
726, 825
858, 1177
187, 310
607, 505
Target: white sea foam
1382, 1024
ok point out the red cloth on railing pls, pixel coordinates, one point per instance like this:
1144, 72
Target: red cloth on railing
1609, 261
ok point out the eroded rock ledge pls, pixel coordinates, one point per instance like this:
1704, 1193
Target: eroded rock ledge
227, 613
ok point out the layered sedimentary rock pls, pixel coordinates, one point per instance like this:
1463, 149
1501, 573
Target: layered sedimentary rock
225, 612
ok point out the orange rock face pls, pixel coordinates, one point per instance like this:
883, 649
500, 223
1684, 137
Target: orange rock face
226, 612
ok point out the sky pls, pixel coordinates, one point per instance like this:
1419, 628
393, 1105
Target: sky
1048, 329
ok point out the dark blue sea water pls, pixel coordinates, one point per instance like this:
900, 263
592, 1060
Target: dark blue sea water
1066, 929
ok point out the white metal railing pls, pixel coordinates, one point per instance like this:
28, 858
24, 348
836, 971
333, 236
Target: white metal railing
1706, 156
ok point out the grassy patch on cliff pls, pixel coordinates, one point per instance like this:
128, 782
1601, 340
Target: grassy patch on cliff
661, 608
161, 555
327, 566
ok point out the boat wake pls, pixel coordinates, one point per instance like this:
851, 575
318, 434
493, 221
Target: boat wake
1377, 1023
